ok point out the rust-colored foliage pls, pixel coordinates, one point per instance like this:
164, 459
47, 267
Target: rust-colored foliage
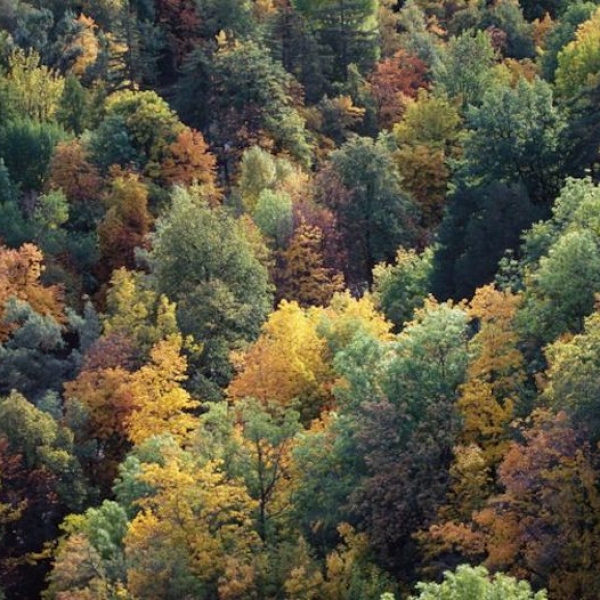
394, 80
71, 171
188, 160
181, 22
20, 272
125, 226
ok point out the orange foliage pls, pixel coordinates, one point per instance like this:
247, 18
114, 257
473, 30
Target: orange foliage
125, 226
71, 171
188, 160
393, 81
20, 272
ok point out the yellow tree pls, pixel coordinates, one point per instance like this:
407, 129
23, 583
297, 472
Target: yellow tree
495, 375
194, 536
135, 310
159, 403
287, 363
36, 90
304, 276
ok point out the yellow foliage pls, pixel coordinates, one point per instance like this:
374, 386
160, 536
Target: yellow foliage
37, 89
287, 362
197, 519
160, 404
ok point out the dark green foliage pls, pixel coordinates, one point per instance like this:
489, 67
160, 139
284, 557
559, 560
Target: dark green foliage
508, 17
26, 147
73, 110
515, 137
35, 359
464, 68
347, 32
375, 216
479, 225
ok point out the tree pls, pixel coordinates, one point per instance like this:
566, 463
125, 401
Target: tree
193, 535
404, 425
545, 525
476, 582
137, 128
27, 147
124, 226
562, 32
464, 69
20, 272
204, 263
159, 404
561, 291
273, 215
479, 225
187, 160
572, 376
42, 480
303, 276
134, 310
428, 140
401, 288
34, 90
496, 375
515, 137
347, 30
268, 432
287, 364
394, 81
375, 216
89, 560
579, 61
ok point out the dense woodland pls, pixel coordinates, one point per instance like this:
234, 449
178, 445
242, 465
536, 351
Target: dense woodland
298, 299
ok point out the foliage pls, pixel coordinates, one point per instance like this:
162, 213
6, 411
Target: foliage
203, 261
476, 582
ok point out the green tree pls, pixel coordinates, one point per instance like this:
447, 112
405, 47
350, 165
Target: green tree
204, 263
26, 147
348, 30
476, 582
464, 69
375, 216
515, 137
401, 288
579, 61
34, 90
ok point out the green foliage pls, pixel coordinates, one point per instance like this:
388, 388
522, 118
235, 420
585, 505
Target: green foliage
561, 264
203, 261
468, 583
479, 225
515, 137
273, 215
375, 215
402, 287
33, 359
26, 147
33, 89
347, 30
464, 69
